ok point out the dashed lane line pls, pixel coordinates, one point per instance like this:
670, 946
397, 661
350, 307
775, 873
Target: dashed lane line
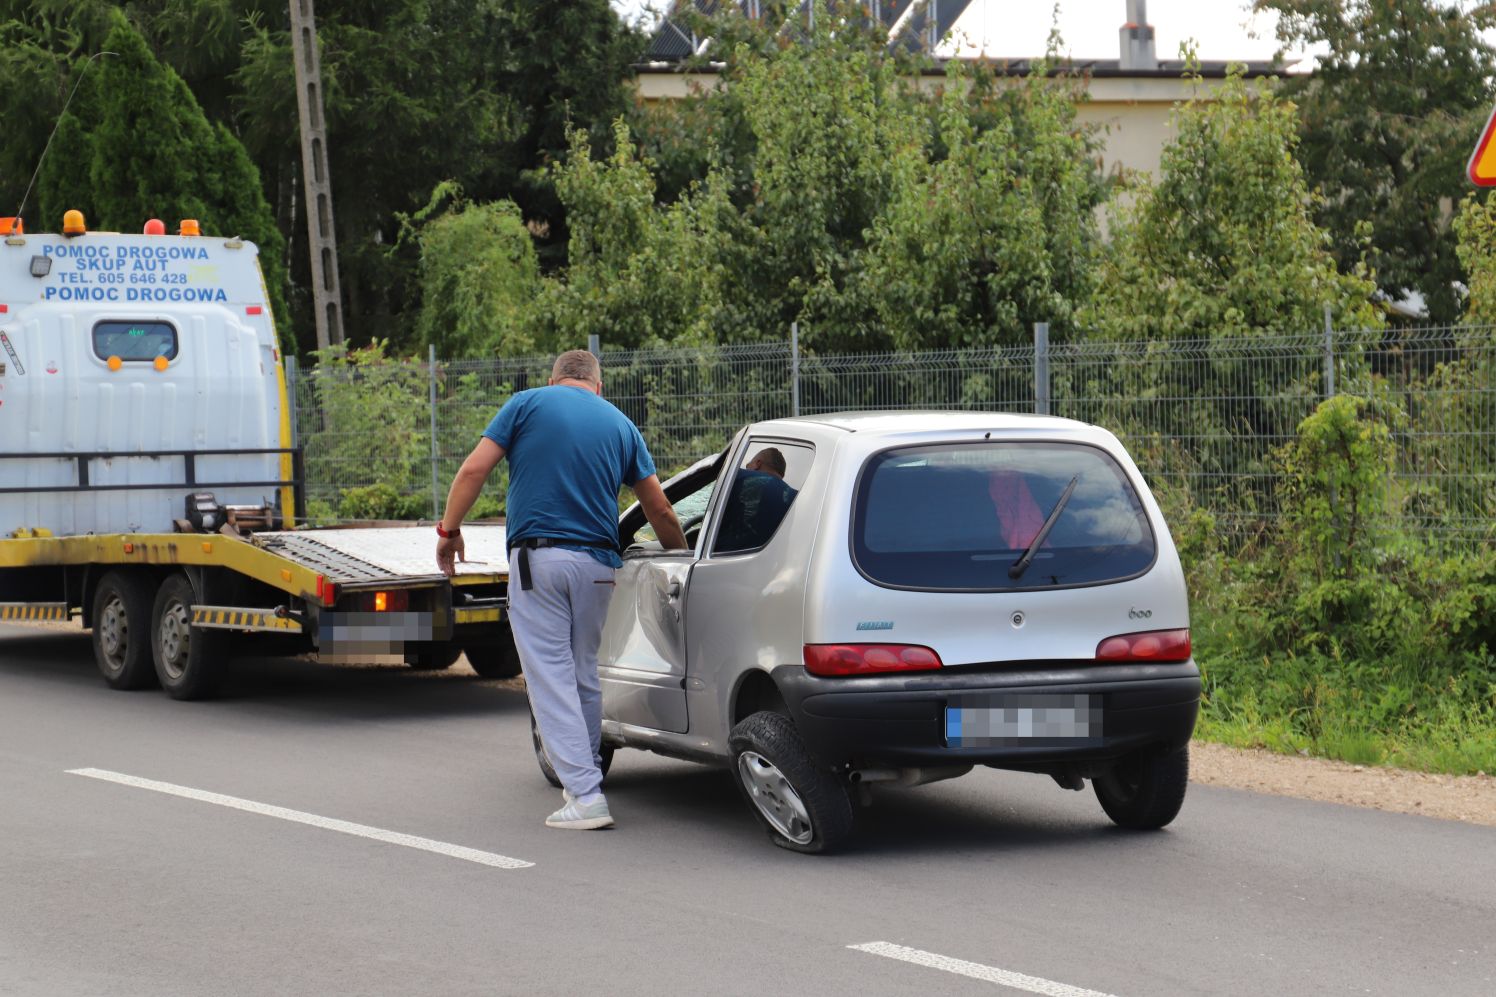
298, 817
976, 971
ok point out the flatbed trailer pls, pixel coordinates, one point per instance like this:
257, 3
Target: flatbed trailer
347, 594
150, 485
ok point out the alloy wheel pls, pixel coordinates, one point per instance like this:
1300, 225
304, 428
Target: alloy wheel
775, 798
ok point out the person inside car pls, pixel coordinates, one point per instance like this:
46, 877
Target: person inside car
760, 497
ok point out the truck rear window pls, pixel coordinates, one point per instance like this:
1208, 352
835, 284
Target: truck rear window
135, 341
958, 516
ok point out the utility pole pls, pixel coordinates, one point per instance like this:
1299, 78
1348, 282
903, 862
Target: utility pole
323, 241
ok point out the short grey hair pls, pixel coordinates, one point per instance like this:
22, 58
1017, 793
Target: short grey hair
773, 459
577, 365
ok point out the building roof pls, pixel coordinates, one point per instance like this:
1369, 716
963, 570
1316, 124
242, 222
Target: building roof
1095, 68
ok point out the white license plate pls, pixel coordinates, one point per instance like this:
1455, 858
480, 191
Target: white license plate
1028, 719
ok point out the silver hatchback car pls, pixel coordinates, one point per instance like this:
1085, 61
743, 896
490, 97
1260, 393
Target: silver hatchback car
895, 598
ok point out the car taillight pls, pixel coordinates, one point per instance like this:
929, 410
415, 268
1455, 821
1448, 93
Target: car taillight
868, 659
384, 602
1152, 645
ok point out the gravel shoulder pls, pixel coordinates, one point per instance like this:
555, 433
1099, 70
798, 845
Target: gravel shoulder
1468, 798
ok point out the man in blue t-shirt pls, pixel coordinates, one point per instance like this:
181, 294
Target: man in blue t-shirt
569, 454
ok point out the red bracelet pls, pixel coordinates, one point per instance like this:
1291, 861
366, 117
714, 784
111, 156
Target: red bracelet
448, 534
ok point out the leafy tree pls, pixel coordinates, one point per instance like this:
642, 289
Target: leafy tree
419, 92
996, 234
1475, 228
1387, 121
479, 277
639, 275
1220, 251
135, 144
875, 213
1225, 244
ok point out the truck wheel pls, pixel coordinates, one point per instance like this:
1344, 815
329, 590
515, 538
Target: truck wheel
802, 805
189, 662
548, 770
433, 657
496, 660
1145, 790
122, 630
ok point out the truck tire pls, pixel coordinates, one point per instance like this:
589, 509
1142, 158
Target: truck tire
122, 630
547, 769
189, 662
1145, 790
433, 657
496, 659
802, 805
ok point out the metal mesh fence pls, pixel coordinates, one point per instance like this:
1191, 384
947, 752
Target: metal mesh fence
1206, 419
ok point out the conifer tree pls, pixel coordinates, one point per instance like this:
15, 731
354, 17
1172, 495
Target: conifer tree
135, 145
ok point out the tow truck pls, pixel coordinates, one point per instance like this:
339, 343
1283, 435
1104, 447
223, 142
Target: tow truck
150, 484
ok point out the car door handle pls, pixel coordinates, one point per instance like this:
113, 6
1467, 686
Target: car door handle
673, 591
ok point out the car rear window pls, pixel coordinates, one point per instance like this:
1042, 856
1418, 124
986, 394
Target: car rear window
958, 516
135, 341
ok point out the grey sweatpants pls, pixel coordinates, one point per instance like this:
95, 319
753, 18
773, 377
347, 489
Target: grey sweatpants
558, 625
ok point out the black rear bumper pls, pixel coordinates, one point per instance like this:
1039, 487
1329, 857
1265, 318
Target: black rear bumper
900, 720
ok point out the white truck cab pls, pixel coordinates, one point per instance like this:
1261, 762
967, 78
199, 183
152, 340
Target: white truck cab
120, 355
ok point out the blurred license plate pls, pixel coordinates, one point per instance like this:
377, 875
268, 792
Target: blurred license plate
1027, 719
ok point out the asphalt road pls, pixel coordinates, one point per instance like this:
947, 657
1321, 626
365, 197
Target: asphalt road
996, 883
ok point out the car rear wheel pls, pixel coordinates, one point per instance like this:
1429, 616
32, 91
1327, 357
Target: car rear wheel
122, 630
802, 805
547, 769
189, 662
1145, 790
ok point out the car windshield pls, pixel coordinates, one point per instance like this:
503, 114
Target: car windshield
958, 516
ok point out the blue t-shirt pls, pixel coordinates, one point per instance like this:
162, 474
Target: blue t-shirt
569, 453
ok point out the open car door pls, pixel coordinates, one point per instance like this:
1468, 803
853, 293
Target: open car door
642, 659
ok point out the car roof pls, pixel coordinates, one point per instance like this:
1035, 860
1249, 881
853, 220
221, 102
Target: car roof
915, 421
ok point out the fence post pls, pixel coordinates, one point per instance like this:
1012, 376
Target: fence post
1041, 368
1329, 354
293, 375
436, 510
794, 368
595, 346
1329, 351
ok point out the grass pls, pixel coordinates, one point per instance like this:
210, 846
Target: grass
1449, 727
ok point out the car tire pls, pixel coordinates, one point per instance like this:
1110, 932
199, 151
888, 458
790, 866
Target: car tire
122, 630
496, 659
189, 661
547, 769
803, 806
1145, 790
433, 657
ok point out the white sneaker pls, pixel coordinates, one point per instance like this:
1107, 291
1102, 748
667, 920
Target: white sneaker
576, 816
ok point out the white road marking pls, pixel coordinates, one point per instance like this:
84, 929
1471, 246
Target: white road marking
976, 971
296, 816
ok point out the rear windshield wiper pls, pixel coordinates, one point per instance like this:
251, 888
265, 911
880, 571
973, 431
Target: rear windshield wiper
1018, 567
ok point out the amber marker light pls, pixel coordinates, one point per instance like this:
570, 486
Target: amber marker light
189, 226
115, 363
72, 223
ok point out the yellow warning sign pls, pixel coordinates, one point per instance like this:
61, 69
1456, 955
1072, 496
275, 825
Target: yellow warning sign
1482, 167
